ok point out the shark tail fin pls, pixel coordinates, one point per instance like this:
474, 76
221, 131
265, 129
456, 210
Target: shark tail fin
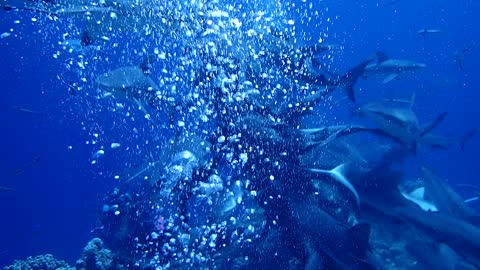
466, 137
360, 235
338, 173
339, 170
427, 128
86, 39
350, 78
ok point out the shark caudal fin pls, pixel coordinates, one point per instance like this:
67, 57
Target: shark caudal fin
360, 235
350, 78
338, 173
466, 137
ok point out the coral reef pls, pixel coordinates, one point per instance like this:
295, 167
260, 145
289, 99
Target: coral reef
95, 257
40, 262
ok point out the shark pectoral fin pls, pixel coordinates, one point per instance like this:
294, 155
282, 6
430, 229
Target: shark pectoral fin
152, 86
428, 127
472, 199
390, 78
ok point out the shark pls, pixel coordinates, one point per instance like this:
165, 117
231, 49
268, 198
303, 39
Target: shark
334, 244
445, 198
131, 83
402, 125
325, 85
461, 236
302, 65
103, 18
4, 189
390, 67
129, 16
327, 134
459, 56
426, 31
430, 254
21, 109
382, 199
27, 166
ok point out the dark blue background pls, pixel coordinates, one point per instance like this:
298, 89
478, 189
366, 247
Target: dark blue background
56, 201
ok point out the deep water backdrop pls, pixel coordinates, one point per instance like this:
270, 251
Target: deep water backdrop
55, 201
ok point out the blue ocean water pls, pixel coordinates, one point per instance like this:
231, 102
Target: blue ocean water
55, 202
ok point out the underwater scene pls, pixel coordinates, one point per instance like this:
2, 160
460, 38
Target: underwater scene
240, 134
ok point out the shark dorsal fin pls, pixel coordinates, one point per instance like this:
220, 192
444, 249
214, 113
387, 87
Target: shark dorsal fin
338, 173
381, 57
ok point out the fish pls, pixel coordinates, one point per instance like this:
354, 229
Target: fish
27, 166
128, 17
426, 31
26, 8
445, 198
391, 68
390, 3
430, 254
339, 245
324, 135
459, 56
461, 236
302, 65
380, 192
130, 83
401, 124
326, 86
26, 110
4, 189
